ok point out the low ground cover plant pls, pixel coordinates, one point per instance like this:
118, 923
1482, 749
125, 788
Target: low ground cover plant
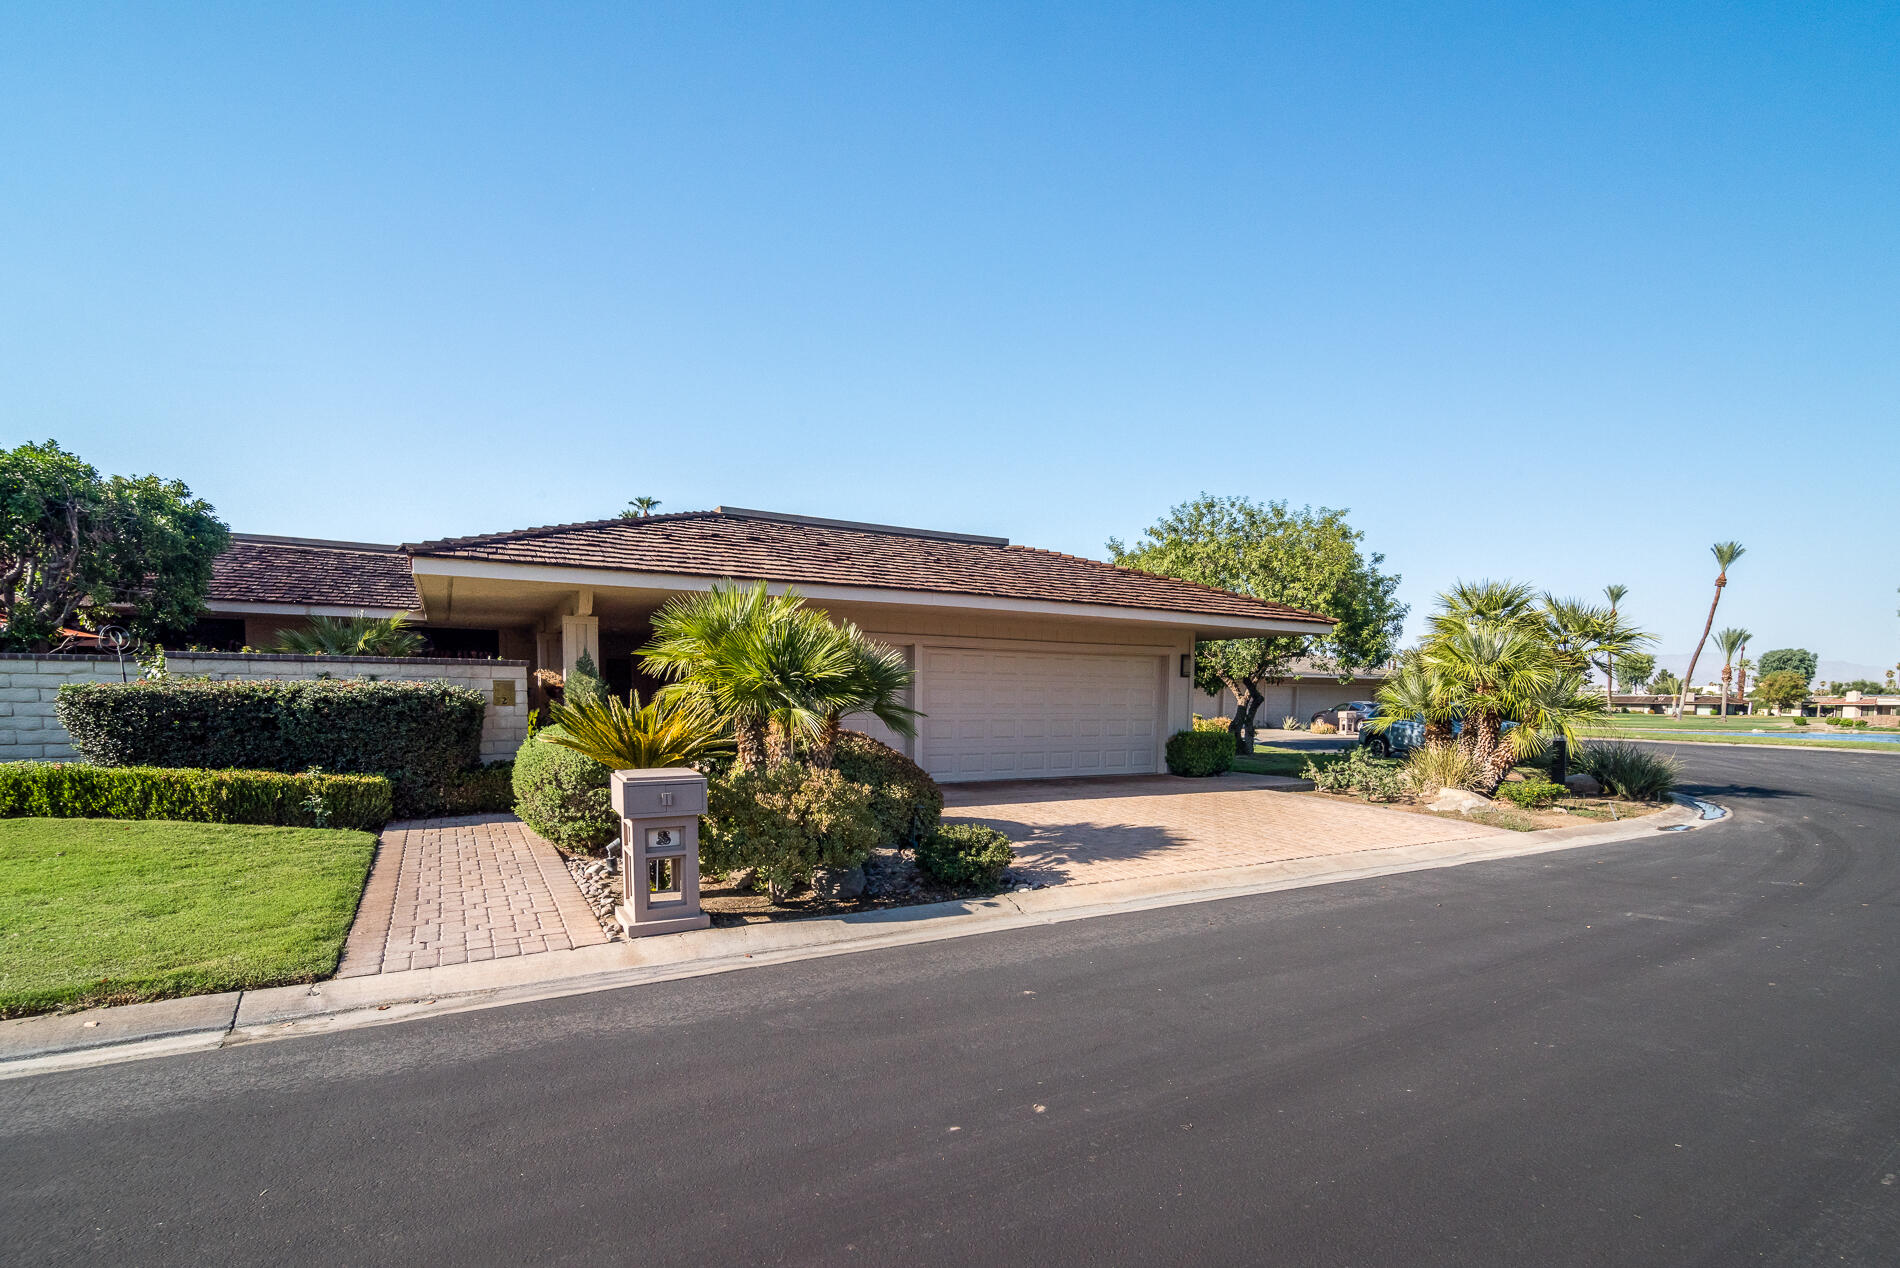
1530, 794
111, 912
73, 790
964, 854
418, 734
1629, 770
1200, 753
1358, 771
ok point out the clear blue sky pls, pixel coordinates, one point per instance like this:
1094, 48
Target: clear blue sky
1561, 293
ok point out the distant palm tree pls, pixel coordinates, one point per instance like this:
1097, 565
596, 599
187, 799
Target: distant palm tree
1615, 594
1731, 641
1742, 666
1726, 553
639, 508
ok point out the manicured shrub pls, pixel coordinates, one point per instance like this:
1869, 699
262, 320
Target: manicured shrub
485, 790
1200, 753
1223, 726
1358, 771
964, 854
1530, 793
72, 790
786, 821
563, 795
418, 734
905, 801
1629, 770
583, 683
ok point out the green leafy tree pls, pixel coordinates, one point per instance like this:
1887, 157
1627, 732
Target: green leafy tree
1637, 668
1665, 684
1781, 689
1866, 687
78, 548
1306, 559
1798, 660
1726, 553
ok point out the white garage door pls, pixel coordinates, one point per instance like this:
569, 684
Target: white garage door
1004, 715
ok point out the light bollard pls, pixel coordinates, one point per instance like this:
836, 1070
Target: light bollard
659, 849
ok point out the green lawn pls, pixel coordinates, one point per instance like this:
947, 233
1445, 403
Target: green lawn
109, 911
1267, 759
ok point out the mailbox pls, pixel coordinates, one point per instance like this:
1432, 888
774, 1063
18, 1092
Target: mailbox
659, 849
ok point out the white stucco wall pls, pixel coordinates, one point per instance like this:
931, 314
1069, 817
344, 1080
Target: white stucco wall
29, 685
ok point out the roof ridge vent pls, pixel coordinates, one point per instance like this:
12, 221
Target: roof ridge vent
739, 512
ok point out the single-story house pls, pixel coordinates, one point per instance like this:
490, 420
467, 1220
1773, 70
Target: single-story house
1027, 663
1306, 691
1857, 705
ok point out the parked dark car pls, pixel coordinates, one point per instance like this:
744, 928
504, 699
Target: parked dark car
1394, 741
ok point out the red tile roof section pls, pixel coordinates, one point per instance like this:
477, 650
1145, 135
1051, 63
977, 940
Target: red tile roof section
343, 575
713, 544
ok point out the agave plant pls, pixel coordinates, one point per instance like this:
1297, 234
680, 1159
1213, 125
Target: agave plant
351, 636
635, 736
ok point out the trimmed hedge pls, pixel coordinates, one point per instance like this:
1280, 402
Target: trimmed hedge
905, 801
1224, 726
964, 854
68, 790
485, 790
418, 734
1200, 753
563, 795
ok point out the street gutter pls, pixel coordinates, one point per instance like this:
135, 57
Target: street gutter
102, 1036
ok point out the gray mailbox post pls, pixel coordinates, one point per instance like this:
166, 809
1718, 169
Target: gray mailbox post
659, 841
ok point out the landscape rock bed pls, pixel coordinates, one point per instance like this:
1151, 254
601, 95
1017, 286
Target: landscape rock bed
600, 888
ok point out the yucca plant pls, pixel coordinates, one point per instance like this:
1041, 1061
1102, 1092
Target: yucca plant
620, 736
351, 636
1629, 770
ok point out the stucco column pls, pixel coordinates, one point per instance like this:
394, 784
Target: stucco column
579, 634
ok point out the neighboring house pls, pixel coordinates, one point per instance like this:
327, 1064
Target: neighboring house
1856, 705
1702, 703
1307, 690
1028, 663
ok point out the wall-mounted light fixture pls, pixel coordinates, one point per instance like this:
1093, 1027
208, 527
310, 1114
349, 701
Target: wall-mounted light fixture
1187, 664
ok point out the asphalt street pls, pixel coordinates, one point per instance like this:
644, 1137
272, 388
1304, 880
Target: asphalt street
1676, 1050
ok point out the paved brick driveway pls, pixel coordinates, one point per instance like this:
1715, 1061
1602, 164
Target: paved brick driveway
1078, 832
449, 891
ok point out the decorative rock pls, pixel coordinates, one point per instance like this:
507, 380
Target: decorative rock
839, 884
1583, 785
1456, 800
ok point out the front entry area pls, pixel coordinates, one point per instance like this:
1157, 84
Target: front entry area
1033, 715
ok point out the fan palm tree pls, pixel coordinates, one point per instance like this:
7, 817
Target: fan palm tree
351, 636
1615, 593
1731, 641
639, 508
1416, 691
877, 682
766, 662
1726, 553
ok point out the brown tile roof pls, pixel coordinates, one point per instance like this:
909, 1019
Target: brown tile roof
757, 546
258, 569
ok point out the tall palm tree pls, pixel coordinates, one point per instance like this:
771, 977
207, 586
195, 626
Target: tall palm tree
639, 508
1726, 553
1742, 666
1731, 641
876, 684
1615, 593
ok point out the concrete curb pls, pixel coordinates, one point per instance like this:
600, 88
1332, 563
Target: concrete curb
1812, 746
38, 1045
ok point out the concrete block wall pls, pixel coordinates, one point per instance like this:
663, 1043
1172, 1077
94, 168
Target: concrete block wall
29, 684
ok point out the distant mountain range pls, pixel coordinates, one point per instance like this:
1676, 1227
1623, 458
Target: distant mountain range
1710, 669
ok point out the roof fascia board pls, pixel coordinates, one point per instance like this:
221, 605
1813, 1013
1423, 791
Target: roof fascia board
1208, 622
242, 607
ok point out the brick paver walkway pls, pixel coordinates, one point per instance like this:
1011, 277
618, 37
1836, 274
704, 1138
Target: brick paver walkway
1081, 831
447, 891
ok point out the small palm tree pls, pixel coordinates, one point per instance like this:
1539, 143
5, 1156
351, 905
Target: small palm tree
1503, 671
876, 684
1417, 692
351, 636
1731, 641
639, 508
635, 736
1726, 553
